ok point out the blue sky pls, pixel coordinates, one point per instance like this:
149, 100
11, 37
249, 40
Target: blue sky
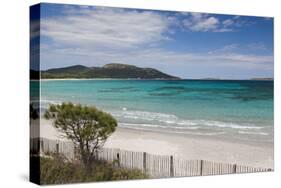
188, 45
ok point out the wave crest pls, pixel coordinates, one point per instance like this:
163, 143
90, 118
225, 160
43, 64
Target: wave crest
163, 120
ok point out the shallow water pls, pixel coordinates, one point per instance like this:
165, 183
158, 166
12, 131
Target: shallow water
238, 109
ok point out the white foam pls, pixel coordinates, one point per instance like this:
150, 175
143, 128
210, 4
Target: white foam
45, 101
225, 124
176, 122
44, 104
157, 126
147, 127
253, 133
145, 115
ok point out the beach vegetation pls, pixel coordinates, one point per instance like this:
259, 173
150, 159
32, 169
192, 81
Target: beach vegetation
86, 126
58, 170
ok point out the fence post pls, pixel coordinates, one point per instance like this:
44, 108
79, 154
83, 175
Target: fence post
171, 166
144, 161
234, 168
97, 155
38, 146
42, 146
57, 148
118, 160
201, 167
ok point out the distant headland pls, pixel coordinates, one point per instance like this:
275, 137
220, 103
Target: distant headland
112, 70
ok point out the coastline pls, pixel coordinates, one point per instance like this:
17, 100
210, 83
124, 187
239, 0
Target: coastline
182, 146
57, 79
193, 79
81, 79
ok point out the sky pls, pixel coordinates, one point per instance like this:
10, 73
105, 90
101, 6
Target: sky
183, 44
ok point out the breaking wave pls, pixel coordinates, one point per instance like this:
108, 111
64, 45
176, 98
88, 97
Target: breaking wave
162, 120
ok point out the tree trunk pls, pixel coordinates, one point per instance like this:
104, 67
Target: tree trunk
87, 162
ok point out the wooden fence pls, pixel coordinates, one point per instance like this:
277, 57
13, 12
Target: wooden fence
156, 166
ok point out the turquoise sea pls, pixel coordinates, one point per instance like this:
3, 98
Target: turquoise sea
234, 109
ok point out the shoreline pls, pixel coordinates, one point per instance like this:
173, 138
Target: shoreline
182, 146
57, 79
182, 79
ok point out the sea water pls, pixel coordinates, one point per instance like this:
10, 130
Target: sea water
223, 108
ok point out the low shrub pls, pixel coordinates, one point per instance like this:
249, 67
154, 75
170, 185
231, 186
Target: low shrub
58, 170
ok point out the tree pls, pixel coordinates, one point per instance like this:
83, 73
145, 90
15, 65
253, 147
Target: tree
32, 112
86, 126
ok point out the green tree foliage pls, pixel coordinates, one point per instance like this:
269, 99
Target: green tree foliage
86, 126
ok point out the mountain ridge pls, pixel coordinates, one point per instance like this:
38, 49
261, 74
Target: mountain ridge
111, 70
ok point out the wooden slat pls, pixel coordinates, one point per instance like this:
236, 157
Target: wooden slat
156, 165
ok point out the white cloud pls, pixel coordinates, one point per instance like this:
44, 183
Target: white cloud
225, 49
201, 22
258, 46
236, 48
105, 27
34, 29
227, 22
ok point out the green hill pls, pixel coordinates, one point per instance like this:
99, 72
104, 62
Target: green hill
113, 70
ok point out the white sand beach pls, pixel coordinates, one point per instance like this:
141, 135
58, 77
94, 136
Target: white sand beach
183, 145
